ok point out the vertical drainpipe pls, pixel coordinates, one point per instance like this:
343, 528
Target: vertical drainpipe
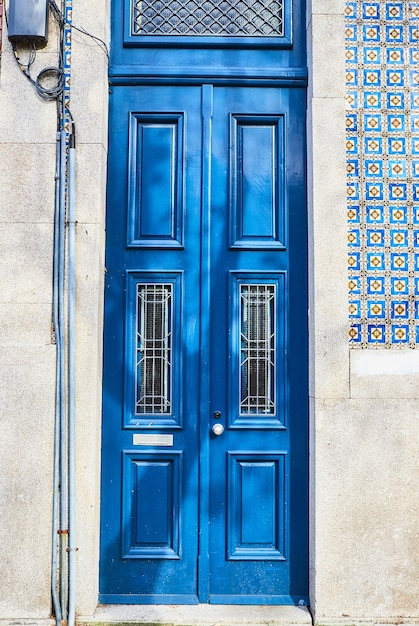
71, 377
70, 266
57, 424
63, 533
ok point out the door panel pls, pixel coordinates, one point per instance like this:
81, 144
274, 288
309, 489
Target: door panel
151, 349
257, 149
205, 324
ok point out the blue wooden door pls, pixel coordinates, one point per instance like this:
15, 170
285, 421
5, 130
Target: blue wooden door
204, 466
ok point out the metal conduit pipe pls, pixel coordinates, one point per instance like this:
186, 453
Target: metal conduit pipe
57, 420
63, 532
71, 377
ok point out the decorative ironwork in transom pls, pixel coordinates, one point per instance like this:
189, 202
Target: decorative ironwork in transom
237, 18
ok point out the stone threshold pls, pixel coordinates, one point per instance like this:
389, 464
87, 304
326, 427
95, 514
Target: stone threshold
198, 615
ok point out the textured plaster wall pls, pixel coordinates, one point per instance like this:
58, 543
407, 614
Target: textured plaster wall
364, 408
89, 100
27, 355
27, 352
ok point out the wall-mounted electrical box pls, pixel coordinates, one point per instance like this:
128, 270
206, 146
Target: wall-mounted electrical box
28, 21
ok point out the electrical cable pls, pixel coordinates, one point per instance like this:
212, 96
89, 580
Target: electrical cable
55, 90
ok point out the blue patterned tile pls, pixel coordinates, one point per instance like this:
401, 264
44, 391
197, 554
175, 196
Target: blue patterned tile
398, 238
399, 261
375, 238
351, 122
376, 333
354, 237
351, 32
375, 285
373, 145
374, 214
353, 213
372, 100
397, 145
371, 33
397, 169
414, 101
395, 56
354, 261
352, 145
374, 168
351, 10
352, 54
352, 99
383, 171
352, 78
395, 78
352, 190
413, 55
355, 335
371, 11
395, 123
398, 214
395, 100
375, 261
372, 55
372, 78
394, 11
354, 285
414, 34
400, 334
372, 123
374, 191
399, 309
414, 123
394, 33
397, 191
354, 309
376, 309
399, 286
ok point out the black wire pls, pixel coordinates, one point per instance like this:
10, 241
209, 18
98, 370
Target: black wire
60, 18
55, 91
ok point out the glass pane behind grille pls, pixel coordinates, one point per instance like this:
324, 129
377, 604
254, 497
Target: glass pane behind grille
237, 18
154, 348
257, 359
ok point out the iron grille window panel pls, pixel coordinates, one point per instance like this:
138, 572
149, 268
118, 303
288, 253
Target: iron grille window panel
154, 348
257, 358
203, 18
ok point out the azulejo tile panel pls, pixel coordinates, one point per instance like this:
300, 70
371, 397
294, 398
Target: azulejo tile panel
382, 144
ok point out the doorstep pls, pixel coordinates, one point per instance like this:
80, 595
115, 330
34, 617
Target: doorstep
198, 615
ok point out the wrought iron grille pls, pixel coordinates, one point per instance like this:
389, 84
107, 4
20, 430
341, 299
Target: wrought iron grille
154, 348
237, 18
257, 359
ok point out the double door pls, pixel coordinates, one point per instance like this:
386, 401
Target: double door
204, 465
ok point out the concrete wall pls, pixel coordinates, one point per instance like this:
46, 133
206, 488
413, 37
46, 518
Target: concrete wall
364, 407
27, 352
364, 412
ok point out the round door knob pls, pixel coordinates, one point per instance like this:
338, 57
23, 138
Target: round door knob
217, 429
